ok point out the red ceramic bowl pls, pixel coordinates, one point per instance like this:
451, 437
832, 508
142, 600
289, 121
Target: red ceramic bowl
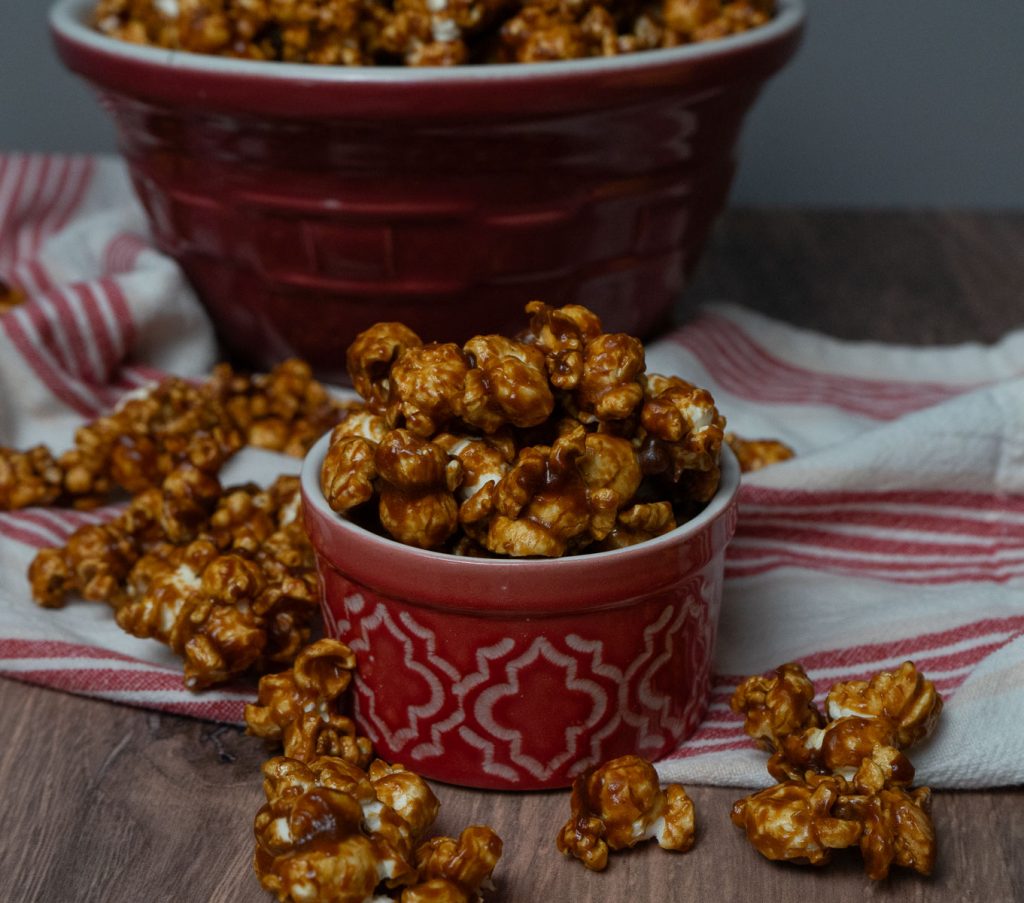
306, 203
519, 674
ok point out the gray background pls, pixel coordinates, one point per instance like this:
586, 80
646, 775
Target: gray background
910, 103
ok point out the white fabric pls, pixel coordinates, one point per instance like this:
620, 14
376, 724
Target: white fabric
896, 533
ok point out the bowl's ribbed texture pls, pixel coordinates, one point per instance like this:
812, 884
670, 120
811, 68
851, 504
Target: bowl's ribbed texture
301, 217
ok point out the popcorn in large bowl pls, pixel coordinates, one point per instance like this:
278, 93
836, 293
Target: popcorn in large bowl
307, 202
521, 611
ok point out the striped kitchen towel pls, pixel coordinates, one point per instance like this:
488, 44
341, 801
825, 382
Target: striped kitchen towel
896, 533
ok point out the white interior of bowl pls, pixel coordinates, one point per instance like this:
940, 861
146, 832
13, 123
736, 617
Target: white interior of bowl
70, 18
727, 490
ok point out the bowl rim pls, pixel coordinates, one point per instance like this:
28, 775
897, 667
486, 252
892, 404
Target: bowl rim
723, 499
67, 20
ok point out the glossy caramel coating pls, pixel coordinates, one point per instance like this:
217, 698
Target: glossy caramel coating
902, 696
226, 580
755, 454
28, 478
620, 804
794, 821
424, 32
301, 708
845, 781
778, 706
520, 447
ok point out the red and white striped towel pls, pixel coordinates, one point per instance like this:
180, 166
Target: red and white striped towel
897, 532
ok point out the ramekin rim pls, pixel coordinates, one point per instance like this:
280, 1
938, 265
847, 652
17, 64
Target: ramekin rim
65, 20
724, 497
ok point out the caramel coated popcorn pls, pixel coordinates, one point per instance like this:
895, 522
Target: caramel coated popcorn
10, 297
754, 454
226, 580
776, 707
903, 698
620, 804
554, 443
333, 833
424, 32
157, 429
28, 478
796, 821
844, 779
301, 708
285, 410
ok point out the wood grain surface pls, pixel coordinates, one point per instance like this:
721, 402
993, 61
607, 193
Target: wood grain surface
116, 805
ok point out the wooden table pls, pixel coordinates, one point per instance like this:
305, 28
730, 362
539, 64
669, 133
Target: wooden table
106, 803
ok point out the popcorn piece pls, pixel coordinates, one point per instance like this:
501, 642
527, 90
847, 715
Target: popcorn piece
417, 477
241, 521
754, 454
620, 804
610, 387
903, 696
406, 793
362, 422
51, 578
706, 20
382, 823
455, 870
796, 822
776, 707
200, 604
312, 841
543, 503
427, 386
507, 384
285, 410
484, 463
839, 748
684, 418
546, 30
301, 707
349, 472
638, 524
896, 830
28, 478
423, 34
369, 359
610, 463
10, 297
562, 334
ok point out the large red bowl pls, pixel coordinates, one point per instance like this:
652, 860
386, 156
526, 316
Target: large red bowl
306, 203
519, 674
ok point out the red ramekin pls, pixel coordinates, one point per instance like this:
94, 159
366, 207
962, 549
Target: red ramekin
519, 674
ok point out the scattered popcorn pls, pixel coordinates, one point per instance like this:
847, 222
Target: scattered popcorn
333, 833
845, 779
620, 804
754, 454
226, 579
301, 708
161, 427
